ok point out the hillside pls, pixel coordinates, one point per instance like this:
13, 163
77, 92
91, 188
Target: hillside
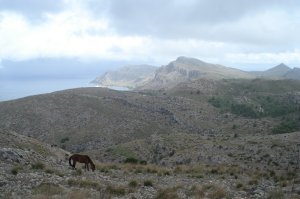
128, 76
188, 69
98, 118
31, 169
293, 74
237, 138
276, 72
185, 69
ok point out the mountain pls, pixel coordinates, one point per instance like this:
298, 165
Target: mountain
127, 76
293, 74
278, 71
188, 69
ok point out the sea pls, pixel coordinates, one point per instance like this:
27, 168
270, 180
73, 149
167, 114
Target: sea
18, 88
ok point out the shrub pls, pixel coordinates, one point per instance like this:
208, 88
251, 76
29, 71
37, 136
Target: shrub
48, 189
84, 183
196, 191
148, 183
169, 193
16, 169
133, 183
52, 171
239, 185
116, 190
275, 194
38, 165
64, 140
286, 127
217, 193
131, 160
78, 172
143, 162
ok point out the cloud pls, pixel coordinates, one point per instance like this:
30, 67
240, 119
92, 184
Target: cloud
151, 31
67, 34
32, 9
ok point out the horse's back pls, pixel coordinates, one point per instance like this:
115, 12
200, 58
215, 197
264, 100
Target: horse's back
80, 158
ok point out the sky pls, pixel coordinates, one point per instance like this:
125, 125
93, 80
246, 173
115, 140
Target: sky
85, 37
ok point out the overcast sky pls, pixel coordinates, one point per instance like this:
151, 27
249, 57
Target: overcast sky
250, 35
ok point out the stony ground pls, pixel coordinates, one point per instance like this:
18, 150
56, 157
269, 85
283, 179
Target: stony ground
31, 169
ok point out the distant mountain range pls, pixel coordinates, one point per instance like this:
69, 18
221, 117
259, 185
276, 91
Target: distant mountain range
185, 69
281, 71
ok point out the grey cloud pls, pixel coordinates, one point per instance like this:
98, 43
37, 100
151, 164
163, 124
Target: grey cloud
184, 18
32, 9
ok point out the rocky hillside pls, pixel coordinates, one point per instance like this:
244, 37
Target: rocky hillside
128, 76
228, 167
185, 69
88, 119
232, 138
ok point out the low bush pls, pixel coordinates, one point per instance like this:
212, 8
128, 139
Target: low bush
116, 190
48, 189
16, 169
148, 183
38, 165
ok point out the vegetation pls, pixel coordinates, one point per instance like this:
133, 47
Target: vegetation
168, 193
84, 183
116, 190
254, 98
38, 165
131, 160
286, 126
15, 170
48, 189
148, 183
63, 140
133, 183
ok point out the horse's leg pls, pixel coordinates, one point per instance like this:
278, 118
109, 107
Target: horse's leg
74, 164
87, 164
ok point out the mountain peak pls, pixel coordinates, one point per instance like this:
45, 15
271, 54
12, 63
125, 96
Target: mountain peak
187, 59
282, 66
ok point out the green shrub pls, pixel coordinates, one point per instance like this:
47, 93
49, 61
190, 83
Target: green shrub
143, 162
16, 169
133, 183
286, 126
131, 160
38, 165
148, 183
64, 140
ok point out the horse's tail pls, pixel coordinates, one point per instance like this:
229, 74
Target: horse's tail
70, 161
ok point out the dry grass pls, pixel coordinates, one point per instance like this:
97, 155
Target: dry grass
168, 193
47, 190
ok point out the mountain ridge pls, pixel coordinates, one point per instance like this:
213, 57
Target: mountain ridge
185, 69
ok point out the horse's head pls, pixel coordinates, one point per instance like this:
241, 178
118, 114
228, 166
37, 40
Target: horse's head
93, 167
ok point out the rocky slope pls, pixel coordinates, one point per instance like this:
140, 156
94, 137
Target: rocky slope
244, 167
187, 69
201, 139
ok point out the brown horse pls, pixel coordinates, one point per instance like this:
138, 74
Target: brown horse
82, 159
